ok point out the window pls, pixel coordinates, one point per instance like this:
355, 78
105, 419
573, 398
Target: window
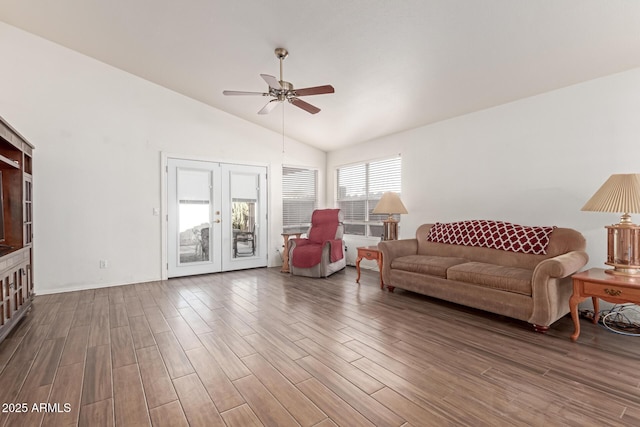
299, 198
360, 187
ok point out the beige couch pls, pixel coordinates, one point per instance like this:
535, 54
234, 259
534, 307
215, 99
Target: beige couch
530, 287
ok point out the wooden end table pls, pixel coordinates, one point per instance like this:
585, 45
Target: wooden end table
370, 253
596, 283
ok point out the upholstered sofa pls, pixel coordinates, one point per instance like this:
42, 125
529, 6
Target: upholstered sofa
516, 271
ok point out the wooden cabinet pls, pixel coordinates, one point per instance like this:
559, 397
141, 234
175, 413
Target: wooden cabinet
16, 227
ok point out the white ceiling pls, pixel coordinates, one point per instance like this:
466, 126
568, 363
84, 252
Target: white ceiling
395, 65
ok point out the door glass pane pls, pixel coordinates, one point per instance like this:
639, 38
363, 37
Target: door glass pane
243, 214
194, 215
244, 205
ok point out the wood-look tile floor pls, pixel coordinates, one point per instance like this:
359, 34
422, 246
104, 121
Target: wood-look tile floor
258, 347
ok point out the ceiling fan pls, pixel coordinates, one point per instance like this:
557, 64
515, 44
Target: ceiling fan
282, 90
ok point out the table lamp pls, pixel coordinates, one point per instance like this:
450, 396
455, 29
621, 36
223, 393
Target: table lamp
620, 194
390, 204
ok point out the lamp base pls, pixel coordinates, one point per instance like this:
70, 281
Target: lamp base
390, 229
620, 271
623, 249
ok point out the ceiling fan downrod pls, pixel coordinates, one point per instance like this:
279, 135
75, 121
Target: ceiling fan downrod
284, 94
281, 54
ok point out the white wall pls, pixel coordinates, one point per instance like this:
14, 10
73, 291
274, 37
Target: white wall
533, 162
99, 134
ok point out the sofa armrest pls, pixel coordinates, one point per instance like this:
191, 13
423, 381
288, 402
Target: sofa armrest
551, 286
562, 265
392, 249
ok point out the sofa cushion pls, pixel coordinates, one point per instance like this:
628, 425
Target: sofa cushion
424, 264
511, 279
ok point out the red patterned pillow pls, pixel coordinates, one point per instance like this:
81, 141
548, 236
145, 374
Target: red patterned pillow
493, 234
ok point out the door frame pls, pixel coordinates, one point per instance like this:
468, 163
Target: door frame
164, 201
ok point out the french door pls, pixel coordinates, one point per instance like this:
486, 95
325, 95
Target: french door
216, 217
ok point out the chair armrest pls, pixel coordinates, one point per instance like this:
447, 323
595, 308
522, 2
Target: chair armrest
392, 249
298, 242
291, 245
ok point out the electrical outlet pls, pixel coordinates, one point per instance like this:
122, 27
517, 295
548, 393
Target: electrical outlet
103, 263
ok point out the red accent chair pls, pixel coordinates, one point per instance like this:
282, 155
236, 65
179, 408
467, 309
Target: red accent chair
322, 252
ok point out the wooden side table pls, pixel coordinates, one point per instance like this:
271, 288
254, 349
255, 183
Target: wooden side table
371, 253
595, 283
285, 253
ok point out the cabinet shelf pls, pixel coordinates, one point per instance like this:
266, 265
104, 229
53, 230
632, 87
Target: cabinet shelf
7, 163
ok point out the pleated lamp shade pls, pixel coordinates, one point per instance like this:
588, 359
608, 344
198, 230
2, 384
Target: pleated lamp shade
620, 194
390, 204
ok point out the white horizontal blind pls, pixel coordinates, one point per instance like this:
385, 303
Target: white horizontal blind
352, 192
299, 198
360, 187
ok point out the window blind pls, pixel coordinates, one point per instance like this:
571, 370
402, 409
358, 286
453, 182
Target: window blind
299, 198
360, 187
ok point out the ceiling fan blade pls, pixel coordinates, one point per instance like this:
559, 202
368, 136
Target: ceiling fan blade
270, 106
239, 92
317, 90
304, 105
271, 81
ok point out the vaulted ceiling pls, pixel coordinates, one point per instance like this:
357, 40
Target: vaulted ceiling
395, 65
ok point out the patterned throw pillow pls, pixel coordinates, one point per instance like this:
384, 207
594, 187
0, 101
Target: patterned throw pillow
493, 234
